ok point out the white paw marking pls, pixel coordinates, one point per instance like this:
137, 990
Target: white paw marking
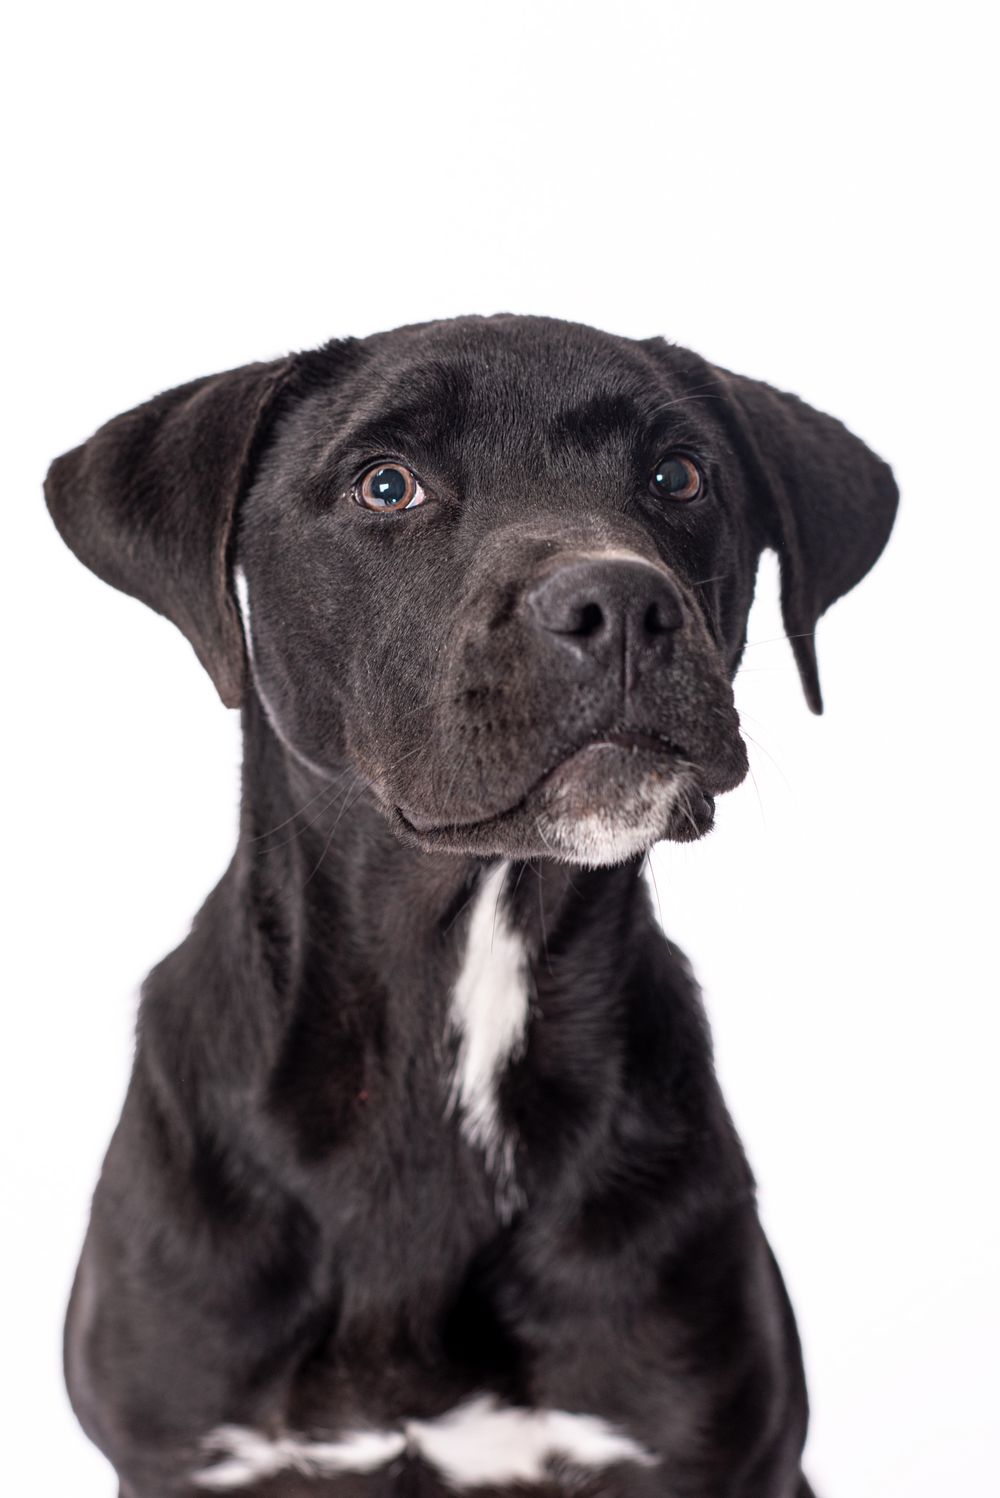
478, 1444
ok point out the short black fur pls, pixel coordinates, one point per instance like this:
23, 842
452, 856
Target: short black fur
291, 1231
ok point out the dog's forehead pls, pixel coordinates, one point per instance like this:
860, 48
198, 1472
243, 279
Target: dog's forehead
497, 351
501, 380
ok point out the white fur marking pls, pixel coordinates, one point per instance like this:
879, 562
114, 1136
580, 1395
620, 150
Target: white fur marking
242, 588
489, 1012
251, 1457
480, 1443
601, 839
243, 599
485, 1443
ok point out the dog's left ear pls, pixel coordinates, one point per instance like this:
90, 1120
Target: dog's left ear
825, 503
148, 503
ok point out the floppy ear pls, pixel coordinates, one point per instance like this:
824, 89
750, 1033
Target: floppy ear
825, 502
148, 503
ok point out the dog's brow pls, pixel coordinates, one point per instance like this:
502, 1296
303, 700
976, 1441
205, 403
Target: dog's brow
597, 419
406, 430
606, 418
392, 429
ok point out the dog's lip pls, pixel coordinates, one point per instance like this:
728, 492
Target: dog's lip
633, 740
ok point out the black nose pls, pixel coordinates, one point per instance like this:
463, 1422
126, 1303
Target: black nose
609, 610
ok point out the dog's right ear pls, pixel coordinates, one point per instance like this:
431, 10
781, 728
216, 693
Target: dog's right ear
149, 502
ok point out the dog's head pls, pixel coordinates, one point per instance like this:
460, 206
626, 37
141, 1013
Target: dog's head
501, 566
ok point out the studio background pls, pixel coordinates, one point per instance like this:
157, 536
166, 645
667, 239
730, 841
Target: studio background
798, 192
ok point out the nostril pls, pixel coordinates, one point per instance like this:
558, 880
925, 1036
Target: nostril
590, 620
660, 620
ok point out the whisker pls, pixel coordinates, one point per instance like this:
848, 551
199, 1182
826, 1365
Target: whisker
806, 634
496, 907
336, 823
422, 707
777, 666
417, 749
684, 803
517, 881
260, 836
555, 853
541, 917
703, 392
459, 767
331, 786
313, 821
463, 907
760, 799
541, 833
760, 746
656, 891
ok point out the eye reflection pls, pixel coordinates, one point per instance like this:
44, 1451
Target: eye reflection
389, 486
676, 477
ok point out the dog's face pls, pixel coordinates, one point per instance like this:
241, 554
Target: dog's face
500, 567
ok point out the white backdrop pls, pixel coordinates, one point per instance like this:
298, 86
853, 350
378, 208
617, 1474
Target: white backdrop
797, 192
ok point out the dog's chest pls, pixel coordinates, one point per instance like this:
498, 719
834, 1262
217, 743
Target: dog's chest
438, 1122
405, 1380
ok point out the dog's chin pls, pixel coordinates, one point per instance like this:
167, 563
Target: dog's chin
606, 804
597, 811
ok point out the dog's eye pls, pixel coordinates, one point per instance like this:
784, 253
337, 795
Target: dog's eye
389, 486
676, 477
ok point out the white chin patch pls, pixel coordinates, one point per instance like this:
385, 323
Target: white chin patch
615, 833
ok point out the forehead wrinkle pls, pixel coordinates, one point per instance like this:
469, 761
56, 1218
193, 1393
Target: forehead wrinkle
389, 432
620, 420
519, 409
673, 429
598, 419
409, 432
419, 403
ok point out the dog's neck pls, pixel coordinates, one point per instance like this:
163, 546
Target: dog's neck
412, 1052
342, 913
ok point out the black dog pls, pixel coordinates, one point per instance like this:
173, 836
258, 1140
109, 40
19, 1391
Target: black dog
423, 1181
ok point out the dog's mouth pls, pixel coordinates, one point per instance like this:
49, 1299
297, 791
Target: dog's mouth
601, 802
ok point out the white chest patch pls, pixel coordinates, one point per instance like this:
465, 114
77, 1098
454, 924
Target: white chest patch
485, 1443
248, 1456
481, 1443
489, 1016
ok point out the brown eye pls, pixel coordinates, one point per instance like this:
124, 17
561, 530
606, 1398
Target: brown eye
388, 486
676, 477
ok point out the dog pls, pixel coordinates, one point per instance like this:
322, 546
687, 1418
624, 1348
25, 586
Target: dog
423, 1182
